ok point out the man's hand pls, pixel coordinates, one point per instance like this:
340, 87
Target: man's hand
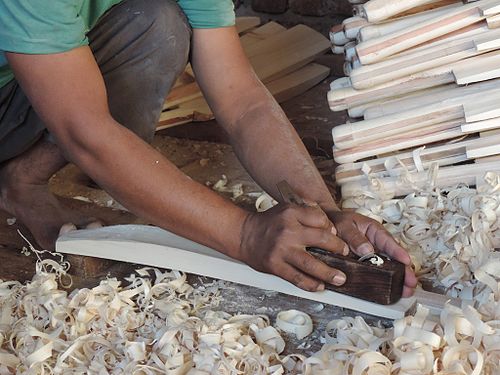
275, 242
365, 235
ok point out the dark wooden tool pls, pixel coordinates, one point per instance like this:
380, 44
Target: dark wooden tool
372, 278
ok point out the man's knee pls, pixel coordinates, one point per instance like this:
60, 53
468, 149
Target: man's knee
167, 30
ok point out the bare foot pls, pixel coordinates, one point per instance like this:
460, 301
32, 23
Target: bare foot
24, 193
37, 208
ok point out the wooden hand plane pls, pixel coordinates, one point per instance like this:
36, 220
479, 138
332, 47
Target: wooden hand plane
374, 278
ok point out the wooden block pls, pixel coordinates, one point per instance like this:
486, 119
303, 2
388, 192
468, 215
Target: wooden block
158, 248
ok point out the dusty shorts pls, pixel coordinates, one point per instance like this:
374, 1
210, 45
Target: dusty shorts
141, 47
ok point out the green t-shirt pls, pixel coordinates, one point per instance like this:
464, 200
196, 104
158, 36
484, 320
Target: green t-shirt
44, 27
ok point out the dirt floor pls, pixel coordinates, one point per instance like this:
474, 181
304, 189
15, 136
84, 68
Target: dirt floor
206, 162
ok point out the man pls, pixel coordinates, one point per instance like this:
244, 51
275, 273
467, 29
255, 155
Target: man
84, 81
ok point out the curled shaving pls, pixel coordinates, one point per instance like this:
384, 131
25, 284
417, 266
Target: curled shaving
296, 322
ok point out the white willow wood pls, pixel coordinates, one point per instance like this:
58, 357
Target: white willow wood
159, 248
380, 48
379, 10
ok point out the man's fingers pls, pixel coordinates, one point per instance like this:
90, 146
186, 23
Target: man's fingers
308, 264
299, 278
325, 240
358, 243
386, 244
313, 217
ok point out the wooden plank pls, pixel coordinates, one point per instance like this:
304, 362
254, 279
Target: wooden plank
193, 110
439, 53
190, 90
285, 52
444, 155
261, 33
480, 68
361, 132
490, 146
483, 109
446, 177
159, 248
450, 93
418, 137
380, 10
341, 98
272, 58
377, 30
297, 82
246, 23
282, 89
377, 49
493, 21
402, 66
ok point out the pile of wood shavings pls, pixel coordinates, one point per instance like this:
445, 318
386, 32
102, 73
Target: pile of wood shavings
159, 324
451, 234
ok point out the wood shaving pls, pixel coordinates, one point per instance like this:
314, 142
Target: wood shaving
264, 202
222, 187
296, 322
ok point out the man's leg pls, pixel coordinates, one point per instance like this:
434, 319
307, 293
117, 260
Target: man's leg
141, 47
139, 69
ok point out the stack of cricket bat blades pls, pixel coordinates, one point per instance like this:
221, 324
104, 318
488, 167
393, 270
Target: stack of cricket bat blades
422, 89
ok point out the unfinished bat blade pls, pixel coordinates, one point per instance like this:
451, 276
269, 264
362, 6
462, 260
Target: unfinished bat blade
156, 247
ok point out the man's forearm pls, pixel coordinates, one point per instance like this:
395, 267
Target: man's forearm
271, 150
153, 188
